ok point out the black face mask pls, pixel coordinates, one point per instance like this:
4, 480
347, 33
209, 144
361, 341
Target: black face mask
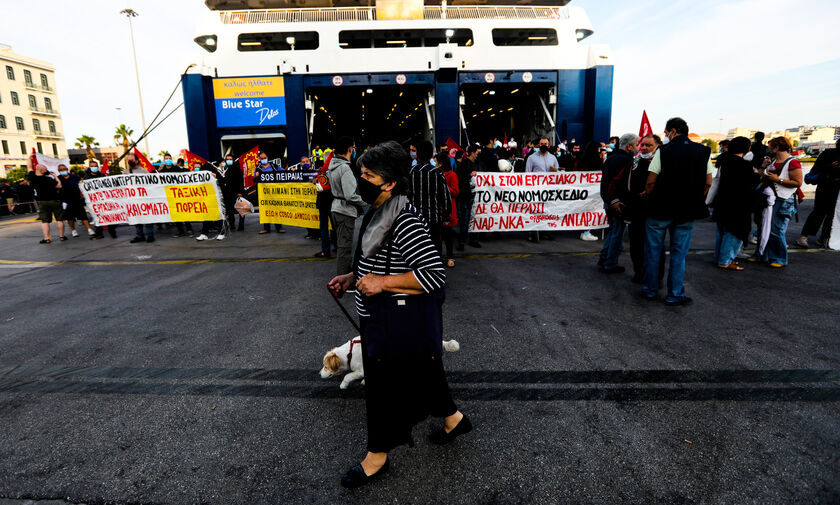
543, 149
368, 190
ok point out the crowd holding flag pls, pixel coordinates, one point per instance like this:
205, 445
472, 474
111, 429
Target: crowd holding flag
248, 163
143, 161
644, 128
190, 158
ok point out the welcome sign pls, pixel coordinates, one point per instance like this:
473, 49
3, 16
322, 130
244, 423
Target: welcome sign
250, 101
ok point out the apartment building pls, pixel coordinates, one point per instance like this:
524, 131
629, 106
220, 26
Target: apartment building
29, 110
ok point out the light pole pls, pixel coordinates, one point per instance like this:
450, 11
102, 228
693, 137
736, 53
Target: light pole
132, 14
720, 125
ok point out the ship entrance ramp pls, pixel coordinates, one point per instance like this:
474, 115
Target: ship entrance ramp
370, 113
514, 110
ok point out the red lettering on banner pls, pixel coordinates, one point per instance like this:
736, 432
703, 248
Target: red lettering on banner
482, 180
481, 208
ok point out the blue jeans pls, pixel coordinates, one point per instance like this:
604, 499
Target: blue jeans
138, 230
464, 211
776, 250
654, 244
613, 242
727, 246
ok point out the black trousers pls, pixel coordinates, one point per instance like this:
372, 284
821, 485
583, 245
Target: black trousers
436, 232
822, 215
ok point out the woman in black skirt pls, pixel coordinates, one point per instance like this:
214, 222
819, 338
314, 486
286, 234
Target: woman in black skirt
399, 279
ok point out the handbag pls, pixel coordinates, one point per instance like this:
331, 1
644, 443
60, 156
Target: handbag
403, 325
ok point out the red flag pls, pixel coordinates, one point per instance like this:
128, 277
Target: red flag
248, 163
105, 166
451, 144
143, 161
191, 159
645, 129
33, 159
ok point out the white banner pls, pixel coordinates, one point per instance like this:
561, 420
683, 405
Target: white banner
153, 198
537, 201
52, 163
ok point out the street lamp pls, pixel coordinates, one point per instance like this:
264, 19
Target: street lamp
132, 14
449, 34
291, 41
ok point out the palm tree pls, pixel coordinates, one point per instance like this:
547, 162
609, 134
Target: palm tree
84, 142
123, 133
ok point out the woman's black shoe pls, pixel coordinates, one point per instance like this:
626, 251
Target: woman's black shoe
441, 437
356, 477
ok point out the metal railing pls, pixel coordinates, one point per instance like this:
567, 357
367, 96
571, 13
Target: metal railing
369, 14
48, 134
35, 108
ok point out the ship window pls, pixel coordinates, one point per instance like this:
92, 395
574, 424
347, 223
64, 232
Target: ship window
208, 42
366, 39
524, 36
278, 41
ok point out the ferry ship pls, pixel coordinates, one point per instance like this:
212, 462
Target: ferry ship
299, 73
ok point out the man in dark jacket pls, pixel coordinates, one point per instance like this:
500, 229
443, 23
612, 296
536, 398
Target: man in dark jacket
466, 170
233, 183
679, 177
620, 161
826, 175
625, 196
488, 161
72, 200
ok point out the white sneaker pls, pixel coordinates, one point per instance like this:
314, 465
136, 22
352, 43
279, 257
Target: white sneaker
753, 239
201, 237
74, 233
91, 232
220, 237
588, 236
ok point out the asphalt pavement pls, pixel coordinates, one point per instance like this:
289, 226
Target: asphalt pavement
184, 372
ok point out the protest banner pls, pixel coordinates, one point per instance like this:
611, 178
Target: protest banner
288, 197
537, 201
153, 198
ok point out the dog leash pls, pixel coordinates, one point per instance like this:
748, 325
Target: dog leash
343, 310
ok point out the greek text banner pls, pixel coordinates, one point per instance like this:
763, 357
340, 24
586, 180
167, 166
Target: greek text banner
537, 201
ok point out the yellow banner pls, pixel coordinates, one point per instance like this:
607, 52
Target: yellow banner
289, 203
248, 87
193, 203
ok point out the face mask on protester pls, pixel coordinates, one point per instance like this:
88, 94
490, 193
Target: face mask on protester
62, 173
197, 168
306, 166
665, 140
648, 156
168, 162
264, 162
413, 154
612, 146
228, 162
543, 149
368, 190
94, 169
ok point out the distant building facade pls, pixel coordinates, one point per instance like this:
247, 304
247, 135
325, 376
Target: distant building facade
110, 153
29, 110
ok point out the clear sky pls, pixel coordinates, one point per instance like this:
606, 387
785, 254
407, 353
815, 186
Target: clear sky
762, 64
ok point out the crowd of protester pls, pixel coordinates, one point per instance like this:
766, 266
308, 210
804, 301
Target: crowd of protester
652, 186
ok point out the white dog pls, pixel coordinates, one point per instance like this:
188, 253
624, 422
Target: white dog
349, 357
